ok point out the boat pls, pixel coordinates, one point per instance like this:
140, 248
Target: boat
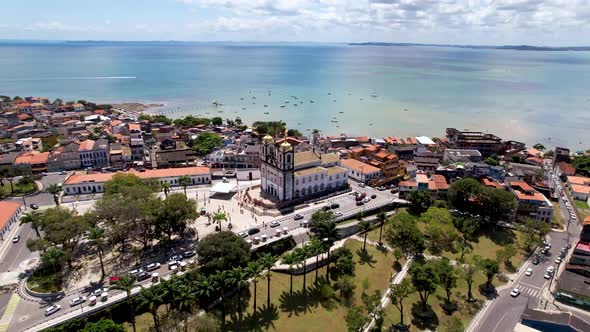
253, 97
374, 95
329, 93
311, 101
243, 108
242, 98
216, 103
341, 112
294, 104
265, 112
265, 105
334, 100
282, 106
286, 101
334, 121
405, 109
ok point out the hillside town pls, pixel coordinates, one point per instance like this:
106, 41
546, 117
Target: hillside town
264, 174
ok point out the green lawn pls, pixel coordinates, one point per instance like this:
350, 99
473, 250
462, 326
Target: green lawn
19, 190
43, 281
300, 312
581, 204
465, 312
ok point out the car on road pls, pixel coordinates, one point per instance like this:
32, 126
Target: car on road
34, 206
569, 245
381, 188
189, 253
275, 224
338, 214
177, 258
143, 276
63, 173
253, 231
16, 238
545, 251
558, 260
297, 217
547, 275
362, 185
153, 266
515, 292
52, 309
529, 272
394, 190
373, 196
536, 260
243, 234
334, 206
359, 203
77, 300
551, 269
367, 199
326, 208
136, 271
99, 291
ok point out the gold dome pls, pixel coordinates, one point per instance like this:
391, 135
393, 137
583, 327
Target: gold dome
267, 139
285, 146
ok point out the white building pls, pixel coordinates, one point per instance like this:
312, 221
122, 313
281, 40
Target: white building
9, 214
360, 171
287, 175
94, 183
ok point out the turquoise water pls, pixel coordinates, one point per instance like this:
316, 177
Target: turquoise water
528, 96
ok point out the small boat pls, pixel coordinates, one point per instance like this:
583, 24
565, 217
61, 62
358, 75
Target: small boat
311, 101
334, 100
361, 99
341, 112
374, 95
370, 124
329, 93
282, 106
405, 109
253, 97
334, 121
242, 98
254, 103
286, 101
219, 111
265, 112
299, 123
243, 108
265, 105
294, 104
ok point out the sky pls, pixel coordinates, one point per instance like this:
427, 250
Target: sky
481, 22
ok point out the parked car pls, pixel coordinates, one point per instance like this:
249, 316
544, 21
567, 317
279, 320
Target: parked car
338, 214
362, 185
334, 206
99, 291
394, 190
373, 196
275, 224
153, 266
297, 217
326, 208
136, 271
243, 234
558, 260
253, 231
536, 260
515, 292
77, 300
529, 272
177, 258
359, 203
367, 199
547, 275
189, 253
34, 206
16, 238
52, 309
143, 276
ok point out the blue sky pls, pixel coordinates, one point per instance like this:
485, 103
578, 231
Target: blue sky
537, 22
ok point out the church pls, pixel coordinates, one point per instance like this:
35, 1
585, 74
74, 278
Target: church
290, 174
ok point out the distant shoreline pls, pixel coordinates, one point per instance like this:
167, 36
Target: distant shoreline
486, 47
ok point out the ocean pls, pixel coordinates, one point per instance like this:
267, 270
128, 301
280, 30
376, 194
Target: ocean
529, 96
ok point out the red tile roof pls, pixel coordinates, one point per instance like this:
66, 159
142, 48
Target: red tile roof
86, 145
148, 174
32, 158
7, 210
409, 183
489, 183
359, 166
134, 126
440, 181
566, 168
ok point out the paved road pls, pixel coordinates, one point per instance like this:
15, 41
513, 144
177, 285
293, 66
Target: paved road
42, 198
17, 253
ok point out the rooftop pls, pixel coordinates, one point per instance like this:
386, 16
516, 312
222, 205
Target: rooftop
579, 180
306, 157
7, 209
310, 171
329, 158
336, 170
148, 174
424, 140
359, 166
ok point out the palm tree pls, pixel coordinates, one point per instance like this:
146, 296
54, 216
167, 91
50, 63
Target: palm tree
221, 281
168, 289
166, 188
316, 247
185, 300
327, 230
239, 278
184, 181
35, 218
205, 286
254, 269
302, 254
290, 259
365, 228
126, 284
267, 261
218, 217
54, 189
152, 298
53, 257
382, 217
96, 235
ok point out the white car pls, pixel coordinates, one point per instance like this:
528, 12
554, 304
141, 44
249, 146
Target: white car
529, 272
551, 269
99, 291
77, 300
136, 271
547, 275
558, 260
362, 185
52, 309
338, 214
16, 238
243, 234
515, 292
367, 199
152, 266
275, 224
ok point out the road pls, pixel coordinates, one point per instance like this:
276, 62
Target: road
30, 314
498, 318
18, 253
42, 198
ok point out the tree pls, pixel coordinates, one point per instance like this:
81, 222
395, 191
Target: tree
174, 213
216, 121
303, 253
425, 281
272, 128
343, 263
239, 278
398, 293
453, 325
403, 233
130, 184
64, 227
103, 325
294, 133
539, 146
356, 319
327, 231
222, 251
492, 161
504, 255
535, 232
290, 259
382, 218
346, 287
440, 230
206, 142
254, 269
204, 323
34, 218
365, 227
447, 277
420, 201
185, 300
490, 268
268, 261
54, 189
166, 189
221, 281
53, 258
461, 193
322, 216
151, 297
496, 204
316, 248
184, 181
218, 218
96, 235
126, 284
468, 272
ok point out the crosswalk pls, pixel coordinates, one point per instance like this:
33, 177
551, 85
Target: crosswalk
9, 312
530, 291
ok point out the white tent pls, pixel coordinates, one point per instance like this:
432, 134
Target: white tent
223, 188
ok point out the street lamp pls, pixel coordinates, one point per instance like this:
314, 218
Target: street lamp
327, 241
